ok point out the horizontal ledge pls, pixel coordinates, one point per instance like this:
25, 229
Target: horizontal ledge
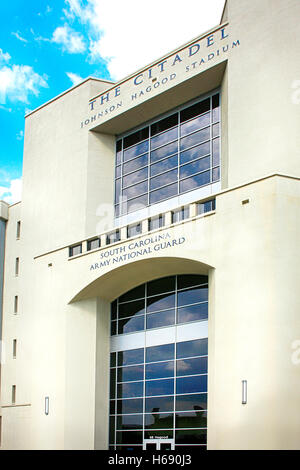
220, 193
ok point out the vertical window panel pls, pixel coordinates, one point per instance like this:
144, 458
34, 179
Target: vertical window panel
161, 389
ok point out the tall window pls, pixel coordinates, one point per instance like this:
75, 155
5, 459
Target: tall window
158, 390
171, 156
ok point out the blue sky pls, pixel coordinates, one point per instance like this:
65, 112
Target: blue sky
47, 46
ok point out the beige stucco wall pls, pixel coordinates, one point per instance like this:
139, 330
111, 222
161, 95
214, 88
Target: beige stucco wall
250, 251
252, 261
263, 118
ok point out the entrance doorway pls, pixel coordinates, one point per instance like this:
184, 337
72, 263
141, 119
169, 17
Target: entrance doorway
158, 444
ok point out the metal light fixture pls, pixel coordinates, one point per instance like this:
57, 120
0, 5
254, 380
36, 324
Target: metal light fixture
46, 405
244, 392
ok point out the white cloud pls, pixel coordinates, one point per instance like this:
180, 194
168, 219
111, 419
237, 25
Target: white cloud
18, 36
17, 82
75, 79
75, 9
134, 35
12, 193
4, 56
5, 108
20, 135
71, 41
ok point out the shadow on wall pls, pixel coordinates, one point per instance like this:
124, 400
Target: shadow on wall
122, 279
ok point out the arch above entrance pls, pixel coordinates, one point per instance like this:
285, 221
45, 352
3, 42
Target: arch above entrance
120, 280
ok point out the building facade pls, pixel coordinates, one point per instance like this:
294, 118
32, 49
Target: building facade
149, 277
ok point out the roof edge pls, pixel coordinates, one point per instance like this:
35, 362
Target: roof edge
68, 91
223, 12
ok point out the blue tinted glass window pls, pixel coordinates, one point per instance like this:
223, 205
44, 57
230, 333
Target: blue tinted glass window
131, 324
157, 320
113, 328
136, 177
192, 384
192, 296
162, 180
191, 419
118, 171
160, 387
190, 313
205, 207
194, 131
129, 309
135, 204
195, 181
164, 165
133, 230
136, 293
190, 280
135, 164
216, 174
160, 353
191, 402
136, 150
195, 153
216, 151
130, 374
156, 404
164, 124
135, 190
150, 372
130, 390
194, 167
161, 286
130, 406
164, 138
164, 151
195, 124
156, 222
197, 347
196, 365
216, 108
134, 356
159, 421
160, 370
216, 130
160, 302
163, 193
194, 139
130, 422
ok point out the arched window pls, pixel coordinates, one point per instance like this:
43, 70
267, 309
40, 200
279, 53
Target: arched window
163, 302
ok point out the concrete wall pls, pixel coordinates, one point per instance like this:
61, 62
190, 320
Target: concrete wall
263, 115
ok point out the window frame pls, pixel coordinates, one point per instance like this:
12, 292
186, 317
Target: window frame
155, 196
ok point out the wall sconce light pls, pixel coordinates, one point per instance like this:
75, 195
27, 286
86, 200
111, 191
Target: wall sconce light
244, 392
46, 406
